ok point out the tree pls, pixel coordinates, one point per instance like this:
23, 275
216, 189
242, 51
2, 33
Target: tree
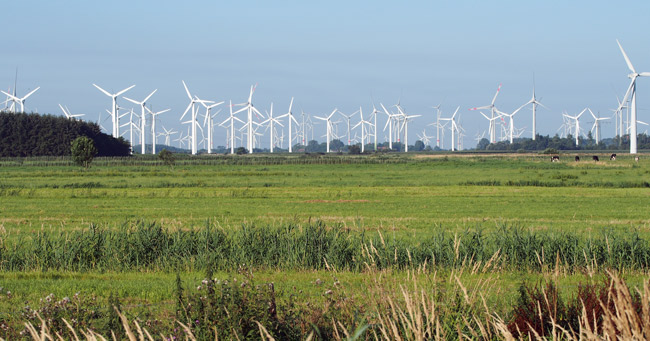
167, 158
241, 151
336, 145
354, 149
83, 151
418, 146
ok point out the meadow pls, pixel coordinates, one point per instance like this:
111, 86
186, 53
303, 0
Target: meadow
316, 223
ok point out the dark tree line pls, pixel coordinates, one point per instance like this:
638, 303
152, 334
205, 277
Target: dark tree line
565, 143
47, 135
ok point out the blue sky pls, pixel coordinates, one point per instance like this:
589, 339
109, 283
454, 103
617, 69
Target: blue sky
332, 54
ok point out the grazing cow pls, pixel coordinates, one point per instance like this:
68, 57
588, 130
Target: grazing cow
555, 158
577, 158
636, 158
595, 157
613, 157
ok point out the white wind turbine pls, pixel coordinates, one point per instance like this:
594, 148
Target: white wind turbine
114, 114
329, 126
348, 118
232, 120
511, 123
291, 120
271, 120
153, 127
142, 105
535, 103
424, 138
20, 100
207, 121
363, 124
493, 111
454, 128
248, 106
67, 113
193, 122
576, 123
373, 116
405, 125
389, 125
596, 125
167, 134
632, 91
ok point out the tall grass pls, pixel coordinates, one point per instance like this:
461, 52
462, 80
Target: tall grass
238, 311
143, 245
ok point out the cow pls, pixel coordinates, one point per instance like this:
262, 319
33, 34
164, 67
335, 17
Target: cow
577, 158
636, 159
613, 157
555, 158
595, 158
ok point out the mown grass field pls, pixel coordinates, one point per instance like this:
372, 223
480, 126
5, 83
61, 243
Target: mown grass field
407, 195
410, 200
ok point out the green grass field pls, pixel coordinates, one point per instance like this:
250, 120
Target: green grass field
409, 195
409, 199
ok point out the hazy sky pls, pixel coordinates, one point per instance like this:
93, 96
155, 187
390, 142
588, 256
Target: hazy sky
339, 54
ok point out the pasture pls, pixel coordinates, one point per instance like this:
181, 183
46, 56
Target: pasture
128, 226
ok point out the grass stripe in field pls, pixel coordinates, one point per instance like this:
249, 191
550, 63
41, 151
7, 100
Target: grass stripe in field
380, 207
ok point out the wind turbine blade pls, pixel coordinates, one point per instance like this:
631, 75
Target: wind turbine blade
456, 112
496, 94
132, 101
627, 60
64, 112
125, 90
290, 105
186, 110
644, 74
151, 94
29, 94
187, 90
240, 110
102, 90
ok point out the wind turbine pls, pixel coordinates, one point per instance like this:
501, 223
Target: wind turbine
512, 121
363, 124
232, 120
329, 126
168, 134
192, 121
576, 123
208, 121
270, 120
535, 103
21, 100
291, 120
248, 106
493, 111
153, 127
632, 91
114, 114
405, 126
454, 127
142, 105
424, 138
389, 125
348, 118
597, 124
67, 113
